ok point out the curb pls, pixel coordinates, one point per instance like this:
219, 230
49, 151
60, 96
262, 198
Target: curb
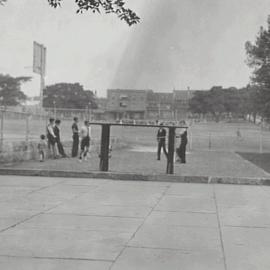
137, 177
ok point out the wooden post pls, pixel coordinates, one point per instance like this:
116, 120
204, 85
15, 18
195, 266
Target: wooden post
170, 159
104, 148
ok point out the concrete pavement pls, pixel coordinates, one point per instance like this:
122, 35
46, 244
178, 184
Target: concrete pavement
58, 223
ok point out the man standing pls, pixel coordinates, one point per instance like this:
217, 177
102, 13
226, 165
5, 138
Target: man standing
58, 140
161, 138
181, 151
75, 137
85, 140
51, 137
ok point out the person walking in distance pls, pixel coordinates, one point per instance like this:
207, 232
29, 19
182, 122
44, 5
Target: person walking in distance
161, 138
181, 151
56, 130
51, 137
85, 140
75, 137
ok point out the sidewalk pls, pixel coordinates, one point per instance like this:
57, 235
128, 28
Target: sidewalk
143, 161
56, 223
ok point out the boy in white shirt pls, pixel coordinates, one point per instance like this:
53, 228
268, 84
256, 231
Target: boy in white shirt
85, 140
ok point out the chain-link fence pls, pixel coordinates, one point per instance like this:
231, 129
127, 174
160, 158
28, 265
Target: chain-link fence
27, 127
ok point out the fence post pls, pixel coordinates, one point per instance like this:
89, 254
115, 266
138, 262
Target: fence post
2, 130
190, 140
210, 143
261, 141
27, 130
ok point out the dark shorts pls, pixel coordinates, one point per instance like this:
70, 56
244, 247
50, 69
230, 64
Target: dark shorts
85, 143
51, 140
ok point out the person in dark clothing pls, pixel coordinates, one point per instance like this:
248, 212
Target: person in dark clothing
51, 137
58, 140
75, 137
181, 151
161, 138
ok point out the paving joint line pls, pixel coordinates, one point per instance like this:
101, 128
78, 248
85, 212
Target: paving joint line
41, 188
219, 229
93, 215
161, 248
37, 214
139, 227
56, 258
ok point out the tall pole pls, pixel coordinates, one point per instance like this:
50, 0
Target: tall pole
42, 86
2, 130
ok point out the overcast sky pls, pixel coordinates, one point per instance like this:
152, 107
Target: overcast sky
179, 43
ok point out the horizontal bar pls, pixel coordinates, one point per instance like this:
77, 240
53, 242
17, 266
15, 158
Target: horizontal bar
136, 125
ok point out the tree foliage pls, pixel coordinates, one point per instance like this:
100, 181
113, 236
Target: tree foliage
230, 101
68, 95
10, 90
97, 6
258, 58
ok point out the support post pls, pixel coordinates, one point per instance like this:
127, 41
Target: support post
104, 148
170, 158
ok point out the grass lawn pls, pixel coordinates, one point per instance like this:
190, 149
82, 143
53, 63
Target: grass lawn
260, 160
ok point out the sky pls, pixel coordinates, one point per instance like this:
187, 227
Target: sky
178, 44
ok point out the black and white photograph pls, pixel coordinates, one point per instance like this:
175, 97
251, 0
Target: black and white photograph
134, 134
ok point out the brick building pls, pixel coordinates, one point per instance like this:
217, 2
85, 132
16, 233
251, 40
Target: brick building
147, 104
126, 104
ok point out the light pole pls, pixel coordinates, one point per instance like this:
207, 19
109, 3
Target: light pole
54, 109
89, 104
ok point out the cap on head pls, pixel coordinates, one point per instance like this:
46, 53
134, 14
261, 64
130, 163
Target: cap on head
86, 122
51, 120
75, 119
57, 121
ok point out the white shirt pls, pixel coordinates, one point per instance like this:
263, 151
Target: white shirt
85, 131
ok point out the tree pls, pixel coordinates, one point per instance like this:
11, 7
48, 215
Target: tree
68, 95
217, 101
250, 103
10, 90
198, 103
108, 6
258, 58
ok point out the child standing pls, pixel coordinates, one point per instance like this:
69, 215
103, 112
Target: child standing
42, 145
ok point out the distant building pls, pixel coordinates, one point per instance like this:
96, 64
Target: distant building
126, 104
181, 100
146, 104
159, 105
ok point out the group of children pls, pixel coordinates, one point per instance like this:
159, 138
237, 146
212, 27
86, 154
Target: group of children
53, 140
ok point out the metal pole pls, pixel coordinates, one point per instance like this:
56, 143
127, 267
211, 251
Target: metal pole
54, 110
2, 130
261, 141
42, 86
27, 129
190, 139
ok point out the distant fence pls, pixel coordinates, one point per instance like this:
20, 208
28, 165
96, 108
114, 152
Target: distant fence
242, 137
